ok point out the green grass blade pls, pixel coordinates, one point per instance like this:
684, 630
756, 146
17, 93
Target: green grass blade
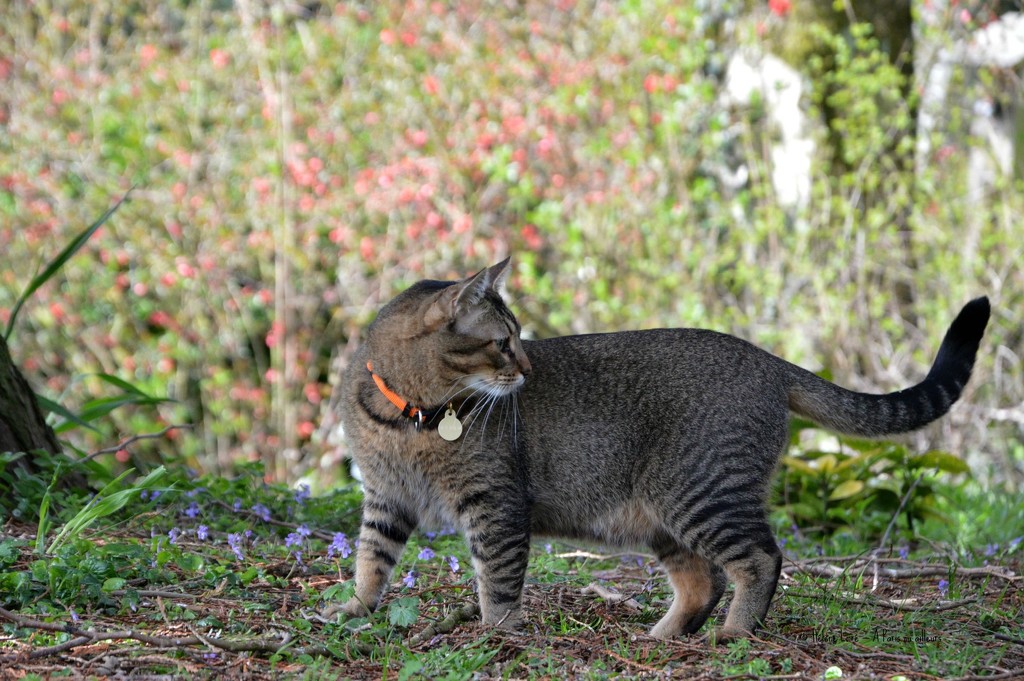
105, 503
97, 409
60, 410
58, 262
122, 384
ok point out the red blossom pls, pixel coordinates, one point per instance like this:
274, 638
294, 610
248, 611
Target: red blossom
160, 320
532, 237
418, 137
147, 53
779, 8
220, 58
184, 269
366, 248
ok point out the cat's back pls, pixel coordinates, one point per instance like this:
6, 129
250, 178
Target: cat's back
652, 361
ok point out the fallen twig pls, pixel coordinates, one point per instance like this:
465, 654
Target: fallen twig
611, 596
823, 569
454, 619
87, 636
135, 438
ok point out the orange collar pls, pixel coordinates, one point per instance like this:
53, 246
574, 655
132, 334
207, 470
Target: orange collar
394, 398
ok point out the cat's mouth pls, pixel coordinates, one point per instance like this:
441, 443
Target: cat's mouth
495, 386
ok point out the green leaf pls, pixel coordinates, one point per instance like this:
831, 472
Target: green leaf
847, 489
805, 511
70, 419
944, 461
109, 501
114, 584
341, 591
58, 262
98, 408
799, 465
123, 385
404, 611
410, 670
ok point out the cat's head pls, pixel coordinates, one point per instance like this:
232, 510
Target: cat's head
459, 336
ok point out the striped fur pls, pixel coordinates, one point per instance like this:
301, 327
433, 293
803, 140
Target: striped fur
665, 439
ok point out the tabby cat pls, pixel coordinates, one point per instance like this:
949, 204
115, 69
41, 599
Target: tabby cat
665, 439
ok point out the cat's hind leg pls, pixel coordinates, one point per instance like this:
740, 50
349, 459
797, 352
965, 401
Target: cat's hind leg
697, 583
754, 567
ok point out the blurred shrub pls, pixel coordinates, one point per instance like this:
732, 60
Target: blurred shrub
297, 167
860, 486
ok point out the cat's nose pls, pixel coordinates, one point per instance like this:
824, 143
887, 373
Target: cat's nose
524, 366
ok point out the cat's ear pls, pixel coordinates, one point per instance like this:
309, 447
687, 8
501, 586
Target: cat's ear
499, 274
466, 294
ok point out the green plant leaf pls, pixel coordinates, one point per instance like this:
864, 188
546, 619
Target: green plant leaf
799, 465
404, 611
70, 419
108, 501
123, 385
944, 461
58, 262
113, 584
100, 407
846, 489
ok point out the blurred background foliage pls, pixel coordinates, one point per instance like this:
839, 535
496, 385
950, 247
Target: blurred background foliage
297, 164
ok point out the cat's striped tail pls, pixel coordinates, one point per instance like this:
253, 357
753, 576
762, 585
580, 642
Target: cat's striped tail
853, 413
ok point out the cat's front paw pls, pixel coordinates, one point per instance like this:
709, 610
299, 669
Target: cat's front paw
353, 608
510, 620
728, 635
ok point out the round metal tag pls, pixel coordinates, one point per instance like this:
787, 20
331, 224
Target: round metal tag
450, 427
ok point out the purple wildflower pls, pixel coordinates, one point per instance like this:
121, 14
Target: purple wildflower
237, 506
991, 549
904, 551
943, 587
173, 535
193, 510
410, 579
426, 553
303, 530
293, 539
302, 494
74, 616
235, 542
453, 563
202, 533
262, 511
339, 545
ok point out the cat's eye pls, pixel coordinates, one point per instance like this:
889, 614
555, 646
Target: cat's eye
503, 345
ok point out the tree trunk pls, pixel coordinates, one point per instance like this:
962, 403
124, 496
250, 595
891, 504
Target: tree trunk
23, 427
